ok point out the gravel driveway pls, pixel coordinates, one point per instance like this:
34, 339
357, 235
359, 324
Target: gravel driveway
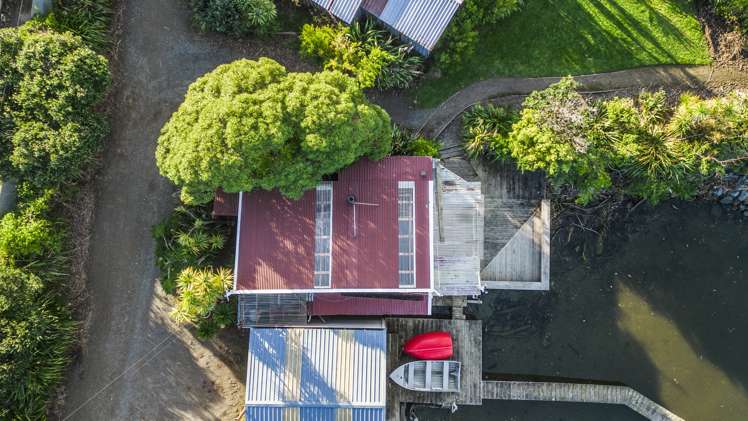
135, 363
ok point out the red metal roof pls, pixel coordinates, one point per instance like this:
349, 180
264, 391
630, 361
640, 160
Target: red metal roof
276, 235
225, 204
345, 305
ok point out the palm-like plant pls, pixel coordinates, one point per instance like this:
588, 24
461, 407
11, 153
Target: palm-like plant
199, 290
485, 130
651, 155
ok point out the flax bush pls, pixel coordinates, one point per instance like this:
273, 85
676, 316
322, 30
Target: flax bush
198, 291
485, 131
189, 237
364, 51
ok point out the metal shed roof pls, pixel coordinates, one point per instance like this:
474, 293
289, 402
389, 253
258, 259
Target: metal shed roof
345, 10
420, 21
316, 374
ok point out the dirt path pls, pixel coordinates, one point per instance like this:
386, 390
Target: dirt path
135, 363
438, 119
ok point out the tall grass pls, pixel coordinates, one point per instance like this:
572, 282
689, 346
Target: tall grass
89, 19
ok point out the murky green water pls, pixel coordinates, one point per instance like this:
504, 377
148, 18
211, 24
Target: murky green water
664, 310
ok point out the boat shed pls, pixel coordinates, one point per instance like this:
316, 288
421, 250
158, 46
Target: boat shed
319, 374
420, 22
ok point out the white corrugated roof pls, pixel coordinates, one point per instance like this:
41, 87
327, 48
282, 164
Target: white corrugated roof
421, 21
345, 10
316, 368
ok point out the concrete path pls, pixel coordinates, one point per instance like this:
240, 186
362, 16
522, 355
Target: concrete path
647, 77
135, 363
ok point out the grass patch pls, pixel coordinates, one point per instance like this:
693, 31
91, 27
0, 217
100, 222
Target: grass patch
572, 37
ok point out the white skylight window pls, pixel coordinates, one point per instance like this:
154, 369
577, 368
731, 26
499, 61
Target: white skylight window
323, 236
406, 193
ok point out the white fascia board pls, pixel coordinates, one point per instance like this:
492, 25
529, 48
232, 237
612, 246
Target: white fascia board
332, 291
238, 234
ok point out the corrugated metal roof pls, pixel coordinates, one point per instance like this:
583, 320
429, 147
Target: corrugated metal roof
420, 21
347, 305
276, 235
316, 374
345, 10
225, 204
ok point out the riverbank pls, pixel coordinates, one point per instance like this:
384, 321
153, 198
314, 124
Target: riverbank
662, 310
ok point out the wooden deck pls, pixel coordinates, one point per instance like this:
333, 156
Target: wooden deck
468, 347
583, 393
517, 228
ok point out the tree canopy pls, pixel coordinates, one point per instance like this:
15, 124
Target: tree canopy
51, 83
251, 124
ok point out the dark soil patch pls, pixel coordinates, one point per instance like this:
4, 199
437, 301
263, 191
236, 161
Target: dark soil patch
726, 41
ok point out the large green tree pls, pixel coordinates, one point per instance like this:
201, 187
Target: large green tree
251, 124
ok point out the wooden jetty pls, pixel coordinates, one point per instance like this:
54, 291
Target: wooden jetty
467, 336
573, 392
468, 349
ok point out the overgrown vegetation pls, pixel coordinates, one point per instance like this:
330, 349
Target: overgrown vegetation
189, 237
235, 17
252, 124
405, 143
572, 37
364, 51
640, 146
486, 130
188, 247
52, 84
734, 11
89, 19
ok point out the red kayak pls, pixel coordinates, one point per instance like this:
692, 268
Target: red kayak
430, 346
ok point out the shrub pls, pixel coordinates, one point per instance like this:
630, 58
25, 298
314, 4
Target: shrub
554, 133
251, 124
405, 143
236, 17
35, 338
198, 293
187, 238
735, 11
222, 316
422, 146
714, 131
51, 89
368, 53
461, 36
647, 153
25, 237
486, 129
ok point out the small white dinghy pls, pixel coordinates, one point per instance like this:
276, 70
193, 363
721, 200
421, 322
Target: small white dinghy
428, 376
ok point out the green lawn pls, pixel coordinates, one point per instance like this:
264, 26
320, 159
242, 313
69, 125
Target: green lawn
570, 37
